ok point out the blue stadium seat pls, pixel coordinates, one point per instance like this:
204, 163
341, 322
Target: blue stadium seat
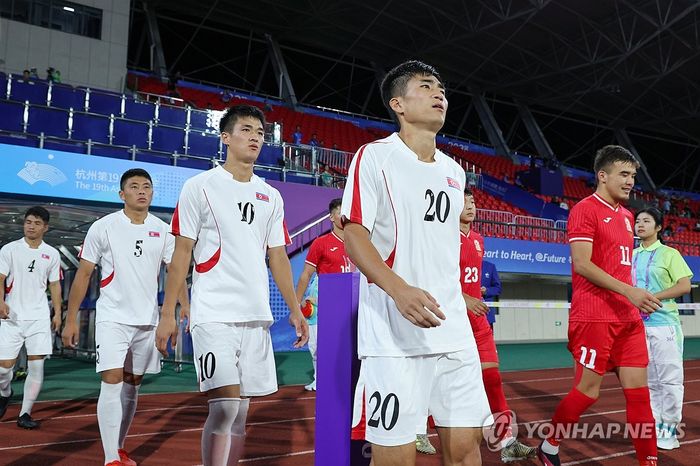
105, 103
200, 164
168, 139
268, 174
19, 140
78, 147
130, 133
93, 127
67, 97
203, 144
3, 85
110, 151
52, 122
12, 116
34, 91
198, 119
172, 116
139, 110
153, 157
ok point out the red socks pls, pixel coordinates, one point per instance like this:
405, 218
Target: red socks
568, 413
497, 401
642, 426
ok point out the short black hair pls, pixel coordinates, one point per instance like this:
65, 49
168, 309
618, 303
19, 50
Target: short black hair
608, 155
38, 212
656, 214
132, 172
232, 114
335, 203
395, 82
468, 191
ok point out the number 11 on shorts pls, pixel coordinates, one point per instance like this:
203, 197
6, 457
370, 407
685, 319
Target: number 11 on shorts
589, 354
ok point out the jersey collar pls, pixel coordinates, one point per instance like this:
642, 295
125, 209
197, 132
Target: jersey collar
655, 245
337, 237
606, 203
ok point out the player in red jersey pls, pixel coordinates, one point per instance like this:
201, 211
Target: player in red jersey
605, 328
470, 260
326, 255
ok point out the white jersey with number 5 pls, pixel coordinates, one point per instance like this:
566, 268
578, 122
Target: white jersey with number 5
233, 224
411, 210
130, 256
28, 272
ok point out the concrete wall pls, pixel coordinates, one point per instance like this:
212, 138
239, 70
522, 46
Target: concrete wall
82, 61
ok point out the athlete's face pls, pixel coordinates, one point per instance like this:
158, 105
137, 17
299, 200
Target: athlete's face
34, 228
336, 218
423, 103
645, 226
137, 193
618, 180
245, 139
469, 212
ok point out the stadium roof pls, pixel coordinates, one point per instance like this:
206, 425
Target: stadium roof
622, 63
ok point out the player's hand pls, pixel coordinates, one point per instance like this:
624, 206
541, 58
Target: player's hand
645, 301
475, 306
4, 310
418, 307
166, 330
56, 323
70, 334
483, 290
185, 315
297, 320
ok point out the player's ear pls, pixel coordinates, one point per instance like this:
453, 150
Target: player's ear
121, 195
396, 105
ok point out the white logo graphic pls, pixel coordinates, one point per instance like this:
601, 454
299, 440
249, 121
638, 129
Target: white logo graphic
34, 172
504, 425
607, 220
627, 224
333, 249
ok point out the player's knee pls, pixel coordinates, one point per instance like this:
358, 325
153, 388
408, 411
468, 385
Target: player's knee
112, 376
132, 379
36, 358
7, 363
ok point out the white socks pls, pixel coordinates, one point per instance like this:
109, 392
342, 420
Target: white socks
32, 384
109, 418
5, 380
224, 431
129, 397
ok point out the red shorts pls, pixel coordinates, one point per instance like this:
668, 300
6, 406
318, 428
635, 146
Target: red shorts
603, 346
483, 334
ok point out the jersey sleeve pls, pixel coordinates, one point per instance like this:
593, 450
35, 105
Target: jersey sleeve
5, 261
93, 245
55, 268
314, 255
581, 225
187, 217
678, 268
361, 195
169, 248
278, 234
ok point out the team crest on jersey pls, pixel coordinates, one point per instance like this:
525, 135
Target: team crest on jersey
627, 224
262, 197
45, 256
452, 183
154, 234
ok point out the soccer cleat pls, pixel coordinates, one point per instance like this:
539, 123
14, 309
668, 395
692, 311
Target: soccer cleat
4, 403
517, 451
114, 463
25, 421
667, 442
424, 446
547, 459
124, 458
310, 387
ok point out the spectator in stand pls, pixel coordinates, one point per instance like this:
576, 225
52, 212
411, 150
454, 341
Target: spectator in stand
225, 96
326, 176
33, 73
668, 231
314, 140
564, 205
506, 178
297, 136
490, 288
321, 143
335, 146
57, 76
267, 107
697, 225
26, 76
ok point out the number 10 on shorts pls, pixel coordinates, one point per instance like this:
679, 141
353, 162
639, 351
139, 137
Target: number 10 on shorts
590, 355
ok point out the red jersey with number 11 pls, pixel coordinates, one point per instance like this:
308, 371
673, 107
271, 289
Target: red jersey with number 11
471, 256
609, 229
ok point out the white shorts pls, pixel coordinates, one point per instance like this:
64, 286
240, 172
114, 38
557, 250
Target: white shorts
399, 392
235, 354
128, 347
34, 334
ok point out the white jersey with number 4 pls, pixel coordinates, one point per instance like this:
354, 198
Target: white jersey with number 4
130, 256
28, 273
411, 210
233, 224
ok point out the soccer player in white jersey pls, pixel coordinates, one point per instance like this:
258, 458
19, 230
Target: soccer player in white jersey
231, 220
26, 266
401, 210
130, 246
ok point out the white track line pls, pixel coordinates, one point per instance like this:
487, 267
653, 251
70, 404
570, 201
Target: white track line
147, 434
616, 455
172, 408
